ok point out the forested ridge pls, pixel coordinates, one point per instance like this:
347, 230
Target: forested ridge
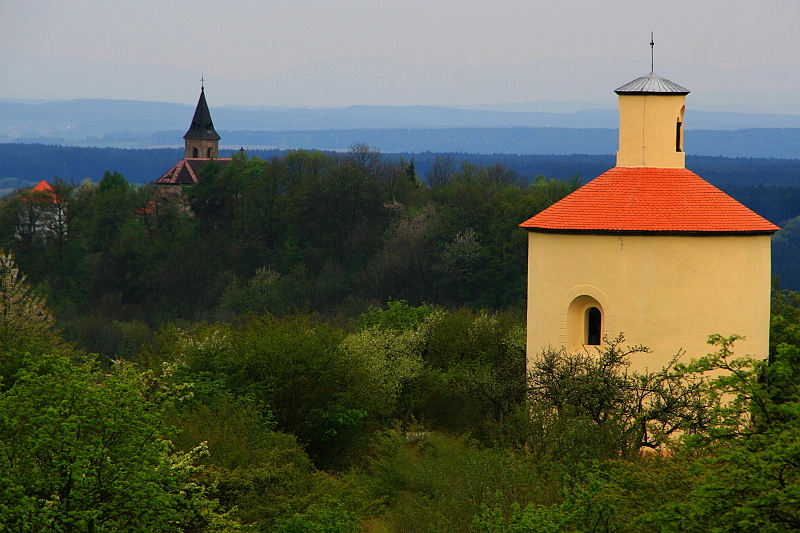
768, 186
34, 162
330, 343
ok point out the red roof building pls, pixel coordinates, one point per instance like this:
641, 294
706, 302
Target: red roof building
43, 192
43, 186
44, 215
648, 249
649, 199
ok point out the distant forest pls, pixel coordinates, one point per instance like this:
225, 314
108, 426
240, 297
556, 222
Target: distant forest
471, 194
768, 186
34, 162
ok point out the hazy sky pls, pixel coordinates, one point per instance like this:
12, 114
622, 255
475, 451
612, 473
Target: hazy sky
398, 52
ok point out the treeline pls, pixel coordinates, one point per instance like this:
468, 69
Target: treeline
35, 162
405, 419
309, 231
777, 203
768, 186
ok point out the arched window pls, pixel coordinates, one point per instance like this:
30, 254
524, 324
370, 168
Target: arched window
585, 323
194, 152
208, 153
594, 326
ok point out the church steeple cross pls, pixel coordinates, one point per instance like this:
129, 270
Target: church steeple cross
652, 45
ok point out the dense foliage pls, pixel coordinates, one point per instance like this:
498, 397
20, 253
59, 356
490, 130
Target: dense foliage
406, 419
767, 186
308, 231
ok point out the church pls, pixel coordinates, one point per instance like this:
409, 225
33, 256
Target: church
201, 145
649, 249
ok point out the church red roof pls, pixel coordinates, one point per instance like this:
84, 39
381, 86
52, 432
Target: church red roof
645, 199
43, 186
187, 171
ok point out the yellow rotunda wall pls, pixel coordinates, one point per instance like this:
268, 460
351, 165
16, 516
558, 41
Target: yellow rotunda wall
666, 292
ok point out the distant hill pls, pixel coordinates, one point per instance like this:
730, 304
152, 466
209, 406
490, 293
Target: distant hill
34, 162
783, 143
134, 124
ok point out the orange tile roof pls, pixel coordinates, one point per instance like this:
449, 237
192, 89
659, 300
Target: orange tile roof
42, 186
649, 199
43, 192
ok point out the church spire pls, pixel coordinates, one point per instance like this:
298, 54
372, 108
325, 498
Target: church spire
202, 140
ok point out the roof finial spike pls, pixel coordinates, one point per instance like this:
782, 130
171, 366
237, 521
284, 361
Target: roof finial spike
652, 45
202, 81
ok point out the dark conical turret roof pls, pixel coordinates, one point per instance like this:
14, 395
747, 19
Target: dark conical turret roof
202, 128
652, 84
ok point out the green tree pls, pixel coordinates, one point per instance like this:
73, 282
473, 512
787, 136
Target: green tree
437, 482
339, 218
752, 460
741, 474
24, 317
404, 268
785, 320
441, 170
111, 206
35, 224
294, 369
58, 219
474, 372
83, 450
588, 405
459, 265
307, 165
502, 175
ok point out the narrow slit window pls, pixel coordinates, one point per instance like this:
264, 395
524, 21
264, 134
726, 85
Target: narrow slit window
594, 323
679, 130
